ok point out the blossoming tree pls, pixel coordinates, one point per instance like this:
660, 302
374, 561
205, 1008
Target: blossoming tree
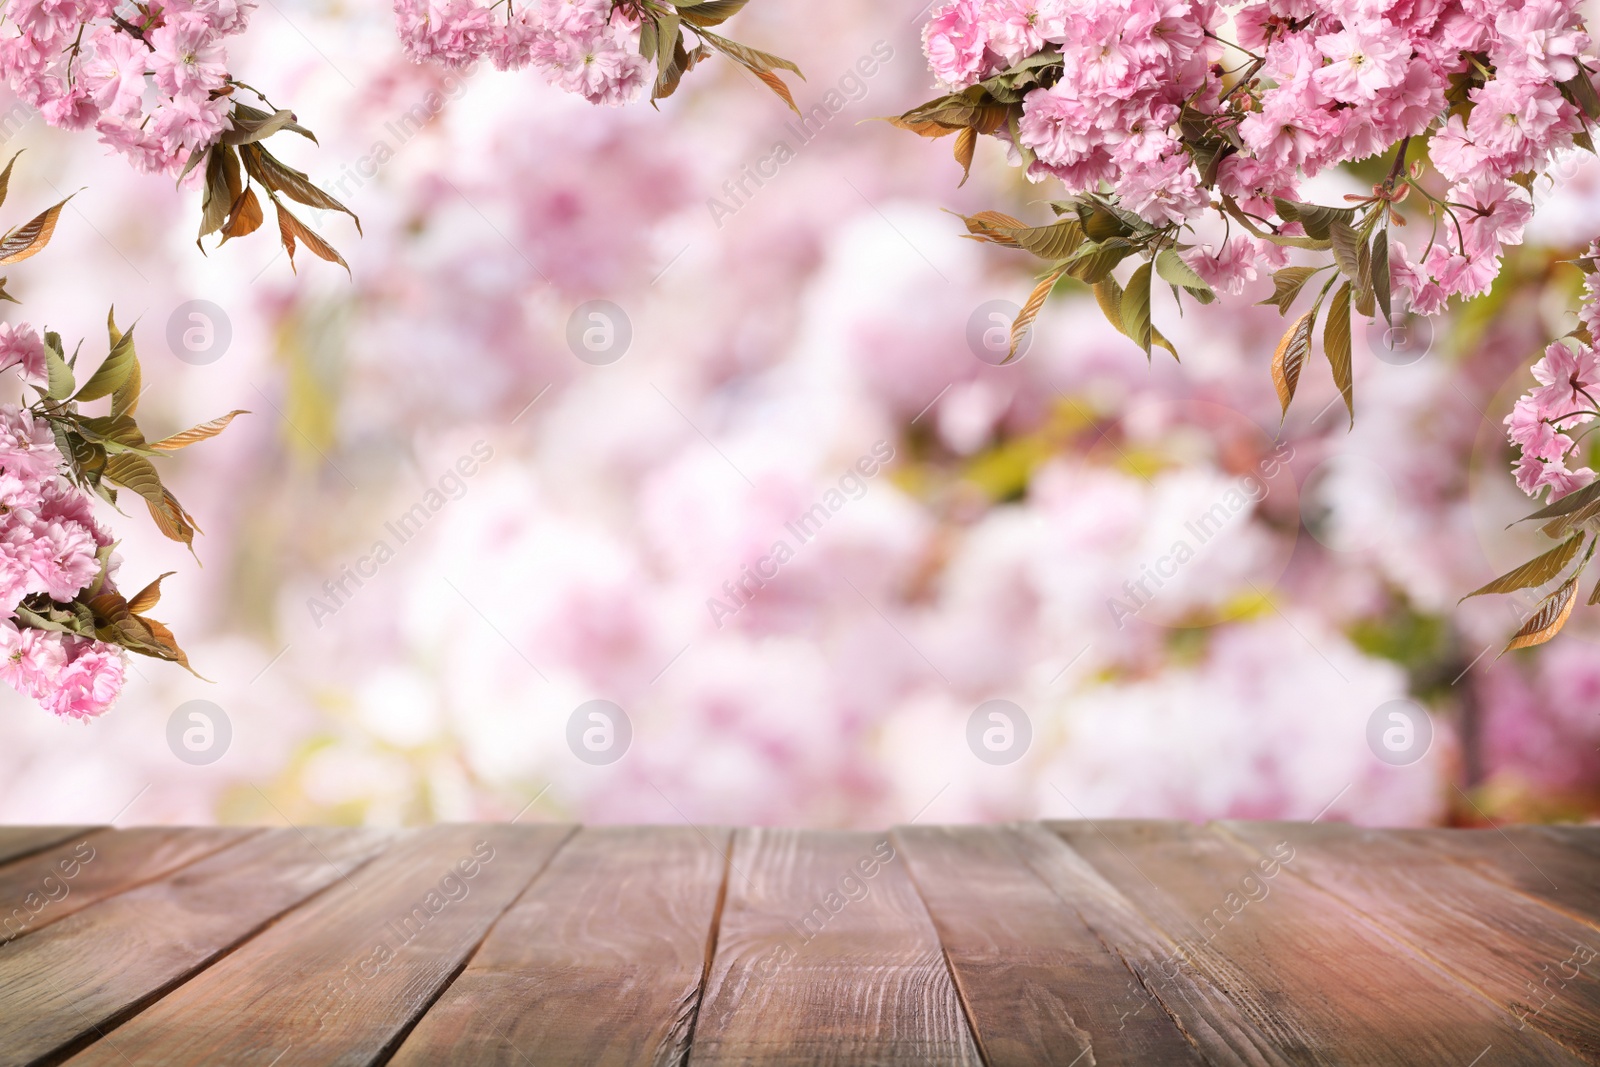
1182, 132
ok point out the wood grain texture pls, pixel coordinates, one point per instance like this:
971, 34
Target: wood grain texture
600, 962
1201, 1007
1322, 983
1508, 947
48, 886
825, 955
71, 981
1556, 864
341, 980
1038, 984
19, 841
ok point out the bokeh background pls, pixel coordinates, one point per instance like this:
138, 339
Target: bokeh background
756, 345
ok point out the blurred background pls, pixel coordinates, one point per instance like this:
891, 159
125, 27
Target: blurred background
637, 408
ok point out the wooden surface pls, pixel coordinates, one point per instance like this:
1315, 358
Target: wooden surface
1117, 942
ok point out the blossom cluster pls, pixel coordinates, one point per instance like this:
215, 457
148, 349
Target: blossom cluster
151, 79
1138, 99
1126, 71
1543, 421
587, 47
51, 547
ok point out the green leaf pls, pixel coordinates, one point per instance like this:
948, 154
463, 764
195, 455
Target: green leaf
1580, 90
1336, 344
1380, 275
1287, 284
1346, 248
113, 374
1056, 241
1364, 296
61, 381
1136, 308
1094, 262
708, 12
251, 125
1568, 504
1536, 571
1172, 268
1316, 218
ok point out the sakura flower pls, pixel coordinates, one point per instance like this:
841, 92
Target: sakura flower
954, 40
30, 659
1568, 378
187, 57
1229, 268
1362, 60
114, 73
20, 347
88, 684
600, 70
1542, 41
1166, 191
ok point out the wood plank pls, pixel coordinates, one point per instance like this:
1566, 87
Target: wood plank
1202, 1008
19, 841
1541, 862
1039, 985
825, 955
51, 885
67, 984
600, 962
1323, 984
1507, 946
342, 979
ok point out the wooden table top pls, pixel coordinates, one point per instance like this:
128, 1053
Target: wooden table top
1036, 943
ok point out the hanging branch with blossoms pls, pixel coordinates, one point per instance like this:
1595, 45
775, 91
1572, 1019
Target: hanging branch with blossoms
152, 80
66, 626
606, 51
1182, 130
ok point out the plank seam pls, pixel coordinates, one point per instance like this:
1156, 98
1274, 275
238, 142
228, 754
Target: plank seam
129, 887
711, 951
1399, 938
48, 844
1505, 884
389, 1050
944, 952
76, 1045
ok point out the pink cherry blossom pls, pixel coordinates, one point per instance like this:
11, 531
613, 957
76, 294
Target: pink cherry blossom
955, 42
